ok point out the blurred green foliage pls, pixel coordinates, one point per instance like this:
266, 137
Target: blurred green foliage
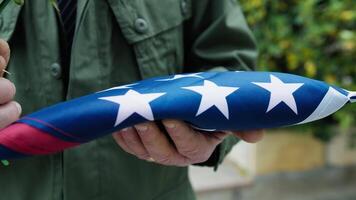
313, 38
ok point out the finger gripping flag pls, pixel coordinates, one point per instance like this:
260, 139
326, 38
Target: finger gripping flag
207, 101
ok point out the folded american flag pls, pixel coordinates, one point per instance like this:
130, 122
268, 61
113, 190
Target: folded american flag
208, 101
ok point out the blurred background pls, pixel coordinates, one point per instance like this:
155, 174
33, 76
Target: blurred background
313, 38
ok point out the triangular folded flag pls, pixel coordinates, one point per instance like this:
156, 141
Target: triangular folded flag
208, 101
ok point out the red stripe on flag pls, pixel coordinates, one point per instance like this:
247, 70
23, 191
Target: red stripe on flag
31, 141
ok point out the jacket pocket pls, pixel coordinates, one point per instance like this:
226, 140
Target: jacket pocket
154, 28
8, 20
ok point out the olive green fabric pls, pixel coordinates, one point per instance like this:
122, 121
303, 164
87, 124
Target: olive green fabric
116, 42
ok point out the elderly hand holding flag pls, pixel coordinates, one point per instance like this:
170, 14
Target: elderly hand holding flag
146, 140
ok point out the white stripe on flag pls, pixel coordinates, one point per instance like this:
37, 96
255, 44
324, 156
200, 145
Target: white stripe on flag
332, 102
352, 97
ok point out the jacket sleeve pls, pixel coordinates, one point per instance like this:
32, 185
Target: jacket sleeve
217, 38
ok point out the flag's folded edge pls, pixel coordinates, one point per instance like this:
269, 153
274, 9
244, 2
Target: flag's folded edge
352, 96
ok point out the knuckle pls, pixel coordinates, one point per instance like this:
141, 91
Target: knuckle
129, 141
183, 135
7, 88
175, 134
10, 111
117, 138
165, 159
15, 109
126, 136
189, 151
181, 140
8, 114
173, 160
143, 156
151, 139
150, 146
183, 162
132, 143
148, 141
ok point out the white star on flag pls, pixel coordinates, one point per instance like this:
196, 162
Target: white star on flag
133, 102
281, 92
213, 95
179, 76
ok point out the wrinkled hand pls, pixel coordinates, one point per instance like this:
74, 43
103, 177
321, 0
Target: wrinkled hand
146, 141
9, 110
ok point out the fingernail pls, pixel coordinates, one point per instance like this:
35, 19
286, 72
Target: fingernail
18, 106
170, 124
150, 159
141, 127
124, 130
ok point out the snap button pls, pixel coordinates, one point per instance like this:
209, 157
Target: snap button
184, 6
141, 25
56, 70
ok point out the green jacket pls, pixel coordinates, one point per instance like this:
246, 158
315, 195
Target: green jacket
116, 42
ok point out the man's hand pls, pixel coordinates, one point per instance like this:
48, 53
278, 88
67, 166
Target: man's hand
146, 141
9, 110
